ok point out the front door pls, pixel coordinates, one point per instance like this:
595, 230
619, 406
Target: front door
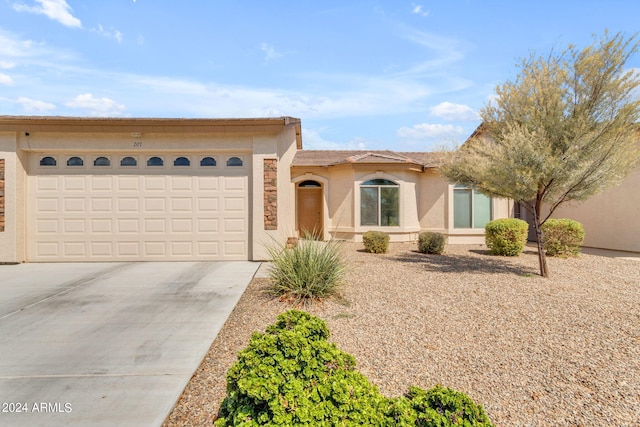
310, 209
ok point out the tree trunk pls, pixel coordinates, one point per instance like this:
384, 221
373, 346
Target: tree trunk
542, 259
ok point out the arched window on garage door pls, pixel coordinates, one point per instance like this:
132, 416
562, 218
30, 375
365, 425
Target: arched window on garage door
48, 161
208, 161
101, 161
75, 161
234, 161
155, 161
128, 161
181, 161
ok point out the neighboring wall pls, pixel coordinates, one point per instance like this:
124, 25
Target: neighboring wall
611, 219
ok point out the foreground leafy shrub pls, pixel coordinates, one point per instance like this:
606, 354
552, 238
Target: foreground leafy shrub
431, 243
506, 236
292, 376
376, 242
311, 269
562, 237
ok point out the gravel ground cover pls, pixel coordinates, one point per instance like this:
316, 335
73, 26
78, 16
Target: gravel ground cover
563, 351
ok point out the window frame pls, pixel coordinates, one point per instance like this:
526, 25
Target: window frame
108, 164
134, 165
382, 183
230, 162
149, 165
459, 188
55, 162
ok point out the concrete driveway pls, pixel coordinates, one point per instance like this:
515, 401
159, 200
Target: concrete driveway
113, 344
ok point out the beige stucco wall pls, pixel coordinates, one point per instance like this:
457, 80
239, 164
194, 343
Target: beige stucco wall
9, 251
281, 147
611, 219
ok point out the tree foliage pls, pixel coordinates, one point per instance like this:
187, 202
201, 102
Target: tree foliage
563, 130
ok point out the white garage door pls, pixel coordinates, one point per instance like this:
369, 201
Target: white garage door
137, 207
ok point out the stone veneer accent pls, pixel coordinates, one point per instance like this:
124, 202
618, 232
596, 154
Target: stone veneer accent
270, 194
1, 194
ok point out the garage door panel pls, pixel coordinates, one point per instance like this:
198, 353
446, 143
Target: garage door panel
208, 225
234, 204
128, 183
74, 226
74, 183
128, 226
184, 225
74, 205
101, 249
47, 226
101, 205
128, 249
181, 204
155, 183
47, 205
47, 183
74, 249
155, 249
154, 225
128, 205
100, 225
235, 183
155, 205
208, 183
101, 183
137, 213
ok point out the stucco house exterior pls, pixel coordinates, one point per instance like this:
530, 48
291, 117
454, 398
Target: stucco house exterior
116, 189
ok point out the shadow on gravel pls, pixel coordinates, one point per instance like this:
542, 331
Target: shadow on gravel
465, 263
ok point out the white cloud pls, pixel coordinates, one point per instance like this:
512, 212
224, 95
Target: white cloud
454, 112
57, 10
34, 106
270, 52
6, 65
418, 10
101, 107
6, 79
430, 131
312, 140
110, 34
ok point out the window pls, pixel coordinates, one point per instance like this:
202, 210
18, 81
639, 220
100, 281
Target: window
128, 161
310, 184
48, 161
101, 161
234, 161
471, 209
208, 161
75, 161
155, 161
181, 161
379, 203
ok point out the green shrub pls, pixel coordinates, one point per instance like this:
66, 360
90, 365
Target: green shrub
375, 242
562, 237
292, 376
309, 270
431, 243
506, 236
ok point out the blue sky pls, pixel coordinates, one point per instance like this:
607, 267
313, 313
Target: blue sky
404, 76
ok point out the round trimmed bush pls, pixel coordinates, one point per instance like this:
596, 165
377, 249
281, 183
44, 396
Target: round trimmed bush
431, 243
506, 236
375, 242
562, 237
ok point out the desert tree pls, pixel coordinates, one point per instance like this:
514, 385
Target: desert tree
563, 130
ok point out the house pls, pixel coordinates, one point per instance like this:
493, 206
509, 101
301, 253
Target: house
128, 189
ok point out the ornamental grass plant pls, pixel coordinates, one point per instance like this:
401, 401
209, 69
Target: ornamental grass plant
312, 269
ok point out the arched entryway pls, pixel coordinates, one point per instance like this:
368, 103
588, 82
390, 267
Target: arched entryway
310, 208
